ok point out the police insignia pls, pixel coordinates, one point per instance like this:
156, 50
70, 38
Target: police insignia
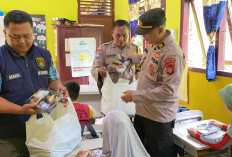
170, 60
40, 62
170, 69
132, 50
157, 55
151, 69
98, 51
161, 45
97, 55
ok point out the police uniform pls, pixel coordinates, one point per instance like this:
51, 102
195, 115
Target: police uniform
105, 55
157, 95
20, 78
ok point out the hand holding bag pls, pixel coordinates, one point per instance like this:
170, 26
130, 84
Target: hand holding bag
111, 96
55, 134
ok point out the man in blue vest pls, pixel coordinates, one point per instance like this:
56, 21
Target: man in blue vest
24, 69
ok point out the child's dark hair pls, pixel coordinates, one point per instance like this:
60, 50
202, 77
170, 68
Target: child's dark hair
73, 89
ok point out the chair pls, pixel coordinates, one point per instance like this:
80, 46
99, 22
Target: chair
188, 117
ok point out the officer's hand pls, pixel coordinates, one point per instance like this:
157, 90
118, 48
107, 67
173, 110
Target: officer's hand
127, 97
128, 58
28, 109
63, 90
102, 71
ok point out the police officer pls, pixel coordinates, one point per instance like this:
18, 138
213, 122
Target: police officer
107, 52
24, 69
157, 95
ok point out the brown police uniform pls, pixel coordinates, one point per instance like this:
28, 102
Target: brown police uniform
157, 95
104, 57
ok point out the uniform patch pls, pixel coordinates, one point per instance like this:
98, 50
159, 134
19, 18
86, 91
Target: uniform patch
152, 73
133, 51
170, 60
14, 76
98, 51
151, 69
154, 60
170, 68
146, 50
40, 62
161, 45
97, 55
44, 72
157, 55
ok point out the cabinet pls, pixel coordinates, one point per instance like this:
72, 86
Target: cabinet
65, 32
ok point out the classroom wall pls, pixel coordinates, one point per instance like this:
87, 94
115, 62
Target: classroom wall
49, 8
121, 8
204, 96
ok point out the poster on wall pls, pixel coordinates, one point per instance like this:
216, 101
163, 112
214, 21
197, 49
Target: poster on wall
82, 52
39, 30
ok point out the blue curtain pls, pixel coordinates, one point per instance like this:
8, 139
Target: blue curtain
213, 14
133, 16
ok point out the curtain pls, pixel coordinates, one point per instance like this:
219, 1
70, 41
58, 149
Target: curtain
212, 12
150, 4
133, 20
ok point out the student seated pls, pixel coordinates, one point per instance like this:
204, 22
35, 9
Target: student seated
225, 140
83, 110
119, 137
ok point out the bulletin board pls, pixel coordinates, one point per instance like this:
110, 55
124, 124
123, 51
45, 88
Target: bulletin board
39, 30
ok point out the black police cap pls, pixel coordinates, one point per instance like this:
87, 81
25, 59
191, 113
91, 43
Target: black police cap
149, 20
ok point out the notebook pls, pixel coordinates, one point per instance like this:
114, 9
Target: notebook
207, 129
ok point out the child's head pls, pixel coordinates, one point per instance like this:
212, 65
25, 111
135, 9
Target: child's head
73, 89
226, 95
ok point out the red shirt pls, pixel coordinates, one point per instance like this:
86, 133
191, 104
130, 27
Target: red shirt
82, 112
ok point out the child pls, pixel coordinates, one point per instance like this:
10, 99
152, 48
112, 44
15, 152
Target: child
119, 137
225, 140
82, 110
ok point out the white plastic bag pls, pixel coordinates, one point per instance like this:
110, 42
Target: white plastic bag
55, 134
111, 96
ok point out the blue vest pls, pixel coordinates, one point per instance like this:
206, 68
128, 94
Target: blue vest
21, 78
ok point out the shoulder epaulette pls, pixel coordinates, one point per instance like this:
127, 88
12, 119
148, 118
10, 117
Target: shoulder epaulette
106, 43
134, 44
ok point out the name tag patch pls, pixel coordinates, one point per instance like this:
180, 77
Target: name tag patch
14, 76
44, 72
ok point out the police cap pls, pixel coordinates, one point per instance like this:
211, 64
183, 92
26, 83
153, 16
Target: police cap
149, 20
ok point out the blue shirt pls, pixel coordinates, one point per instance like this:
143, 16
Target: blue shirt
21, 77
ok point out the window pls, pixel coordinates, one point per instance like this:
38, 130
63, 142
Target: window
95, 7
195, 43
